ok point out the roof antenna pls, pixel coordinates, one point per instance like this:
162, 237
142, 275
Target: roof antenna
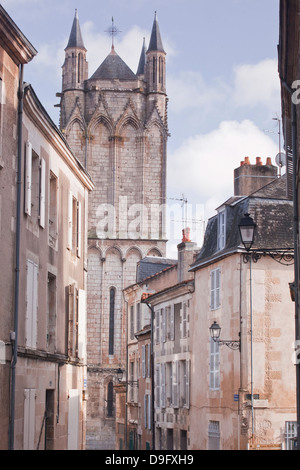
112, 31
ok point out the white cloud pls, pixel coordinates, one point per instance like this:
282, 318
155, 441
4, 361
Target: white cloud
257, 84
202, 167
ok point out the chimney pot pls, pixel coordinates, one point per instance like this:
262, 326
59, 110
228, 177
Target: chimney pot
269, 161
186, 234
258, 161
247, 161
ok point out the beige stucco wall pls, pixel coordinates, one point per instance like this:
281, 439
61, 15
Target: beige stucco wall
273, 372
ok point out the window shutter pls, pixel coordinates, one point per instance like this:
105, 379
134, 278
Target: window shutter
149, 411
28, 177
70, 219
79, 229
184, 320
163, 333
42, 192
29, 419
175, 384
157, 378
144, 360
212, 289
81, 323
217, 293
187, 378
163, 385
172, 323
31, 304
149, 360
157, 325
145, 409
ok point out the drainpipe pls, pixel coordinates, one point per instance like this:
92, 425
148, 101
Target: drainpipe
14, 334
296, 250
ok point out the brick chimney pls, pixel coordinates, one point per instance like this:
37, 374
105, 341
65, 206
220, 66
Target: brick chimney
186, 251
249, 178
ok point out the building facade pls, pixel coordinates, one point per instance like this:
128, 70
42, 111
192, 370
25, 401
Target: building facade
15, 53
243, 391
115, 121
45, 324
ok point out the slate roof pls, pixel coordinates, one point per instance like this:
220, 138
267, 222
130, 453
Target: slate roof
75, 39
142, 62
113, 67
155, 43
151, 265
272, 213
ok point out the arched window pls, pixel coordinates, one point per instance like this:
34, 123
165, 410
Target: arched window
79, 67
112, 296
110, 399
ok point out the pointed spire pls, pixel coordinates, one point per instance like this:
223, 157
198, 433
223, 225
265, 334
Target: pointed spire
75, 39
155, 39
142, 62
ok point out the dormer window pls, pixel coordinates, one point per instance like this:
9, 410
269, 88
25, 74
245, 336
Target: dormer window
221, 229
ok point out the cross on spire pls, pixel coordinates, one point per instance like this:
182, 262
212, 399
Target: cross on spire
112, 31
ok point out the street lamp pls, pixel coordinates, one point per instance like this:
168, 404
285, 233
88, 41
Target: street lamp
247, 228
247, 231
215, 331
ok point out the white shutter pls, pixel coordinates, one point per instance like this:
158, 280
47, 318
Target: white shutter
163, 333
149, 411
157, 379
145, 409
79, 229
28, 177
81, 323
42, 192
218, 279
29, 419
73, 419
157, 319
172, 323
175, 367
163, 385
144, 361
149, 361
31, 304
187, 378
212, 290
70, 219
184, 320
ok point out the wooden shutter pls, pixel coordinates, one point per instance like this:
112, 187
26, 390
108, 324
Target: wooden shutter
175, 370
42, 193
172, 323
289, 157
163, 384
79, 229
144, 360
70, 220
28, 177
29, 419
31, 304
81, 323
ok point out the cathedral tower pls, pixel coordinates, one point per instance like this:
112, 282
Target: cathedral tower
116, 124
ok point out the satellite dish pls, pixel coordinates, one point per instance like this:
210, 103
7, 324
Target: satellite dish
280, 159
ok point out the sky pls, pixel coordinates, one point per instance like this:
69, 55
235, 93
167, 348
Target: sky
222, 83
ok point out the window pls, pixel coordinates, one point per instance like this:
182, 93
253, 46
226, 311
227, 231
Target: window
53, 223
163, 384
72, 321
221, 230
157, 385
214, 365
112, 296
184, 383
290, 435
146, 360
131, 381
215, 282
213, 435
184, 320
35, 186
157, 320
51, 313
74, 225
31, 305
175, 384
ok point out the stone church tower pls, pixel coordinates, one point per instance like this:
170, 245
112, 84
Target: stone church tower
115, 121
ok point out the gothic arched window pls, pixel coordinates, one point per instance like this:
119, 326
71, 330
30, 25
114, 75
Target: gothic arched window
112, 297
